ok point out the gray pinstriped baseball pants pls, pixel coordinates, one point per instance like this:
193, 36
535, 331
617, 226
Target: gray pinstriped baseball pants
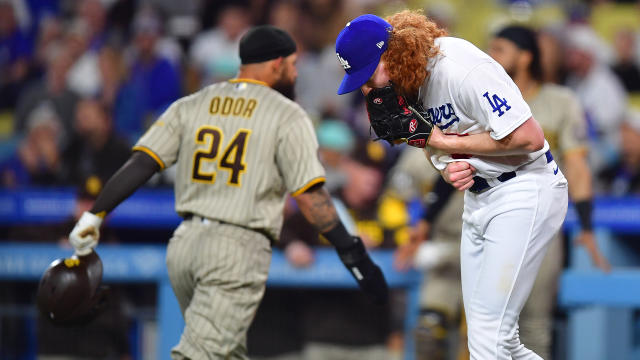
218, 274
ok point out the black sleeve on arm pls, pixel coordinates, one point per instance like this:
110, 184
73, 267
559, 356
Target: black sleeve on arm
338, 236
437, 199
584, 209
133, 174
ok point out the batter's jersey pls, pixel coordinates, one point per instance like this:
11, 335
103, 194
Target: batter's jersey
559, 113
468, 92
239, 147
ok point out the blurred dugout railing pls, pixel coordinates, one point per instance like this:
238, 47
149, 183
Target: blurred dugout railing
602, 319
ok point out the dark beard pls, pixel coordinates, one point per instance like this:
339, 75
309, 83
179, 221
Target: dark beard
285, 88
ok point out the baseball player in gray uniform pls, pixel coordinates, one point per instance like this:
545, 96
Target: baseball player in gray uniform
239, 146
482, 137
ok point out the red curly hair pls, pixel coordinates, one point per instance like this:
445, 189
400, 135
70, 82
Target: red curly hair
411, 45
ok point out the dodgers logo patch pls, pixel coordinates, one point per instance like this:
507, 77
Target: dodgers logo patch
497, 104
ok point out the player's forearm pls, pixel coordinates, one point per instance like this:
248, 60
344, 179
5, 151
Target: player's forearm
578, 175
133, 174
317, 207
525, 139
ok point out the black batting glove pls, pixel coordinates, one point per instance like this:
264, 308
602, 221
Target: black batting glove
368, 275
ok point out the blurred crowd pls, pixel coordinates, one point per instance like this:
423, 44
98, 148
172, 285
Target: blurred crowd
81, 80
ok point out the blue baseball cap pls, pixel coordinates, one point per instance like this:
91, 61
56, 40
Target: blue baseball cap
359, 47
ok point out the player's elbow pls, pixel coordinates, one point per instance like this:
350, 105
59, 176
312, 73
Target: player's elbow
535, 143
529, 143
529, 135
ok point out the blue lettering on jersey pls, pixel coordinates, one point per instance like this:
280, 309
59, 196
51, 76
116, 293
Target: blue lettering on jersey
443, 116
497, 103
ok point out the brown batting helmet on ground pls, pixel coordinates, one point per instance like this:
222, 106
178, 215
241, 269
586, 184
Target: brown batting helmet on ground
69, 292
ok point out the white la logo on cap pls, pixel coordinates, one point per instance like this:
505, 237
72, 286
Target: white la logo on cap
380, 44
343, 62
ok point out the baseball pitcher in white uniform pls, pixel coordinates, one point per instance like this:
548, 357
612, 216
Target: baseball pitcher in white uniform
447, 96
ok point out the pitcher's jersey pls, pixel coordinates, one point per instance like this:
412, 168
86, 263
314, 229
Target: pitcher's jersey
239, 147
467, 93
561, 117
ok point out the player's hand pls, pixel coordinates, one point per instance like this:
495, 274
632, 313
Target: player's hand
459, 174
299, 254
588, 240
403, 256
437, 138
84, 236
368, 275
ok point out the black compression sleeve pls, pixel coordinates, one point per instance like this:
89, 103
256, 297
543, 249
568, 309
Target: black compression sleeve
437, 199
339, 237
133, 174
584, 209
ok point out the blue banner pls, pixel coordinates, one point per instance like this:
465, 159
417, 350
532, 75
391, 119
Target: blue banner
154, 208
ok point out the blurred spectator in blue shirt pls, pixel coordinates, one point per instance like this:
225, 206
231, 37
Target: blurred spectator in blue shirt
623, 177
112, 71
94, 15
37, 160
153, 82
15, 53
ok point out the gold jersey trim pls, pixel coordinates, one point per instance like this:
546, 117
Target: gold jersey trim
306, 187
150, 153
252, 81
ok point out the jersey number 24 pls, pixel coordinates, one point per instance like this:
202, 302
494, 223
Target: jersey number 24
231, 160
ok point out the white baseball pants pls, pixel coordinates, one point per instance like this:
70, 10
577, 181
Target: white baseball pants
505, 235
